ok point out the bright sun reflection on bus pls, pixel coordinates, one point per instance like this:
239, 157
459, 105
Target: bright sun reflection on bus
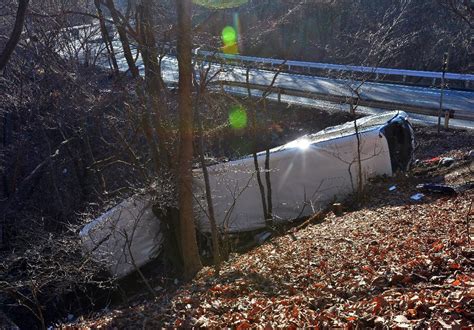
302, 143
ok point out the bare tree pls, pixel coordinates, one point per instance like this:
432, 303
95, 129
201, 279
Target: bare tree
192, 262
105, 35
464, 9
15, 35
120, 24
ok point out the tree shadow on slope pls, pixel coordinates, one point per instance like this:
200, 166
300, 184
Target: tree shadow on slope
179, 306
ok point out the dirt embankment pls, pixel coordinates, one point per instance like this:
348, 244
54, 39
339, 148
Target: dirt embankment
392, 262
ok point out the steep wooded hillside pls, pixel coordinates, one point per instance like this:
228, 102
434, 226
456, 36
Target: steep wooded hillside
392, 33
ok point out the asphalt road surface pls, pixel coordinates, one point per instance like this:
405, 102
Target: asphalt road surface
395, 94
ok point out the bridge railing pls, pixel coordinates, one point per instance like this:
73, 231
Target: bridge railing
433, 75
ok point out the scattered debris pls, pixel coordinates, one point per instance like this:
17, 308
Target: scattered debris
436, 161
429, 162
260, 238
437, 188
441, 188
446, 162
417, 197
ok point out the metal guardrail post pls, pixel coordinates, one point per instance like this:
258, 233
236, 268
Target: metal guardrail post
446, 119
445, 67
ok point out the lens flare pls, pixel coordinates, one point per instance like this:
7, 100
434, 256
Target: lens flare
238, 117
229, 36
229, 39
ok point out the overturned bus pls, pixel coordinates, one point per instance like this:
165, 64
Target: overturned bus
306, 175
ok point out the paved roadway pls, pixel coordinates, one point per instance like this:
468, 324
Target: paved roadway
402, 95
373, 95
398, 94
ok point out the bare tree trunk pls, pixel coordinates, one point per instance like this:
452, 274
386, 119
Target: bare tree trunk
269, 219
191, 259
154, 84
15, 35
216, 254
257, 167
105, 35
360, 184
254, 153
123, 38
266, 201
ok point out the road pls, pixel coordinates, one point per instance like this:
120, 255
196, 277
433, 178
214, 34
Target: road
397, 94
313, 89
317, 91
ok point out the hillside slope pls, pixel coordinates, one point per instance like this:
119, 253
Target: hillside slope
393, 262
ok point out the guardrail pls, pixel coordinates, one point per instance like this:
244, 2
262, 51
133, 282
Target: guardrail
434, 75
466, 78
427, 111
238, 59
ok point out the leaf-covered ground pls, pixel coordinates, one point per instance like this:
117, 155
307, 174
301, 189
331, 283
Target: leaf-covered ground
394, 262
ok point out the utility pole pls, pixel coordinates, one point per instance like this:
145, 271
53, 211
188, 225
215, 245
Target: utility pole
445, 67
